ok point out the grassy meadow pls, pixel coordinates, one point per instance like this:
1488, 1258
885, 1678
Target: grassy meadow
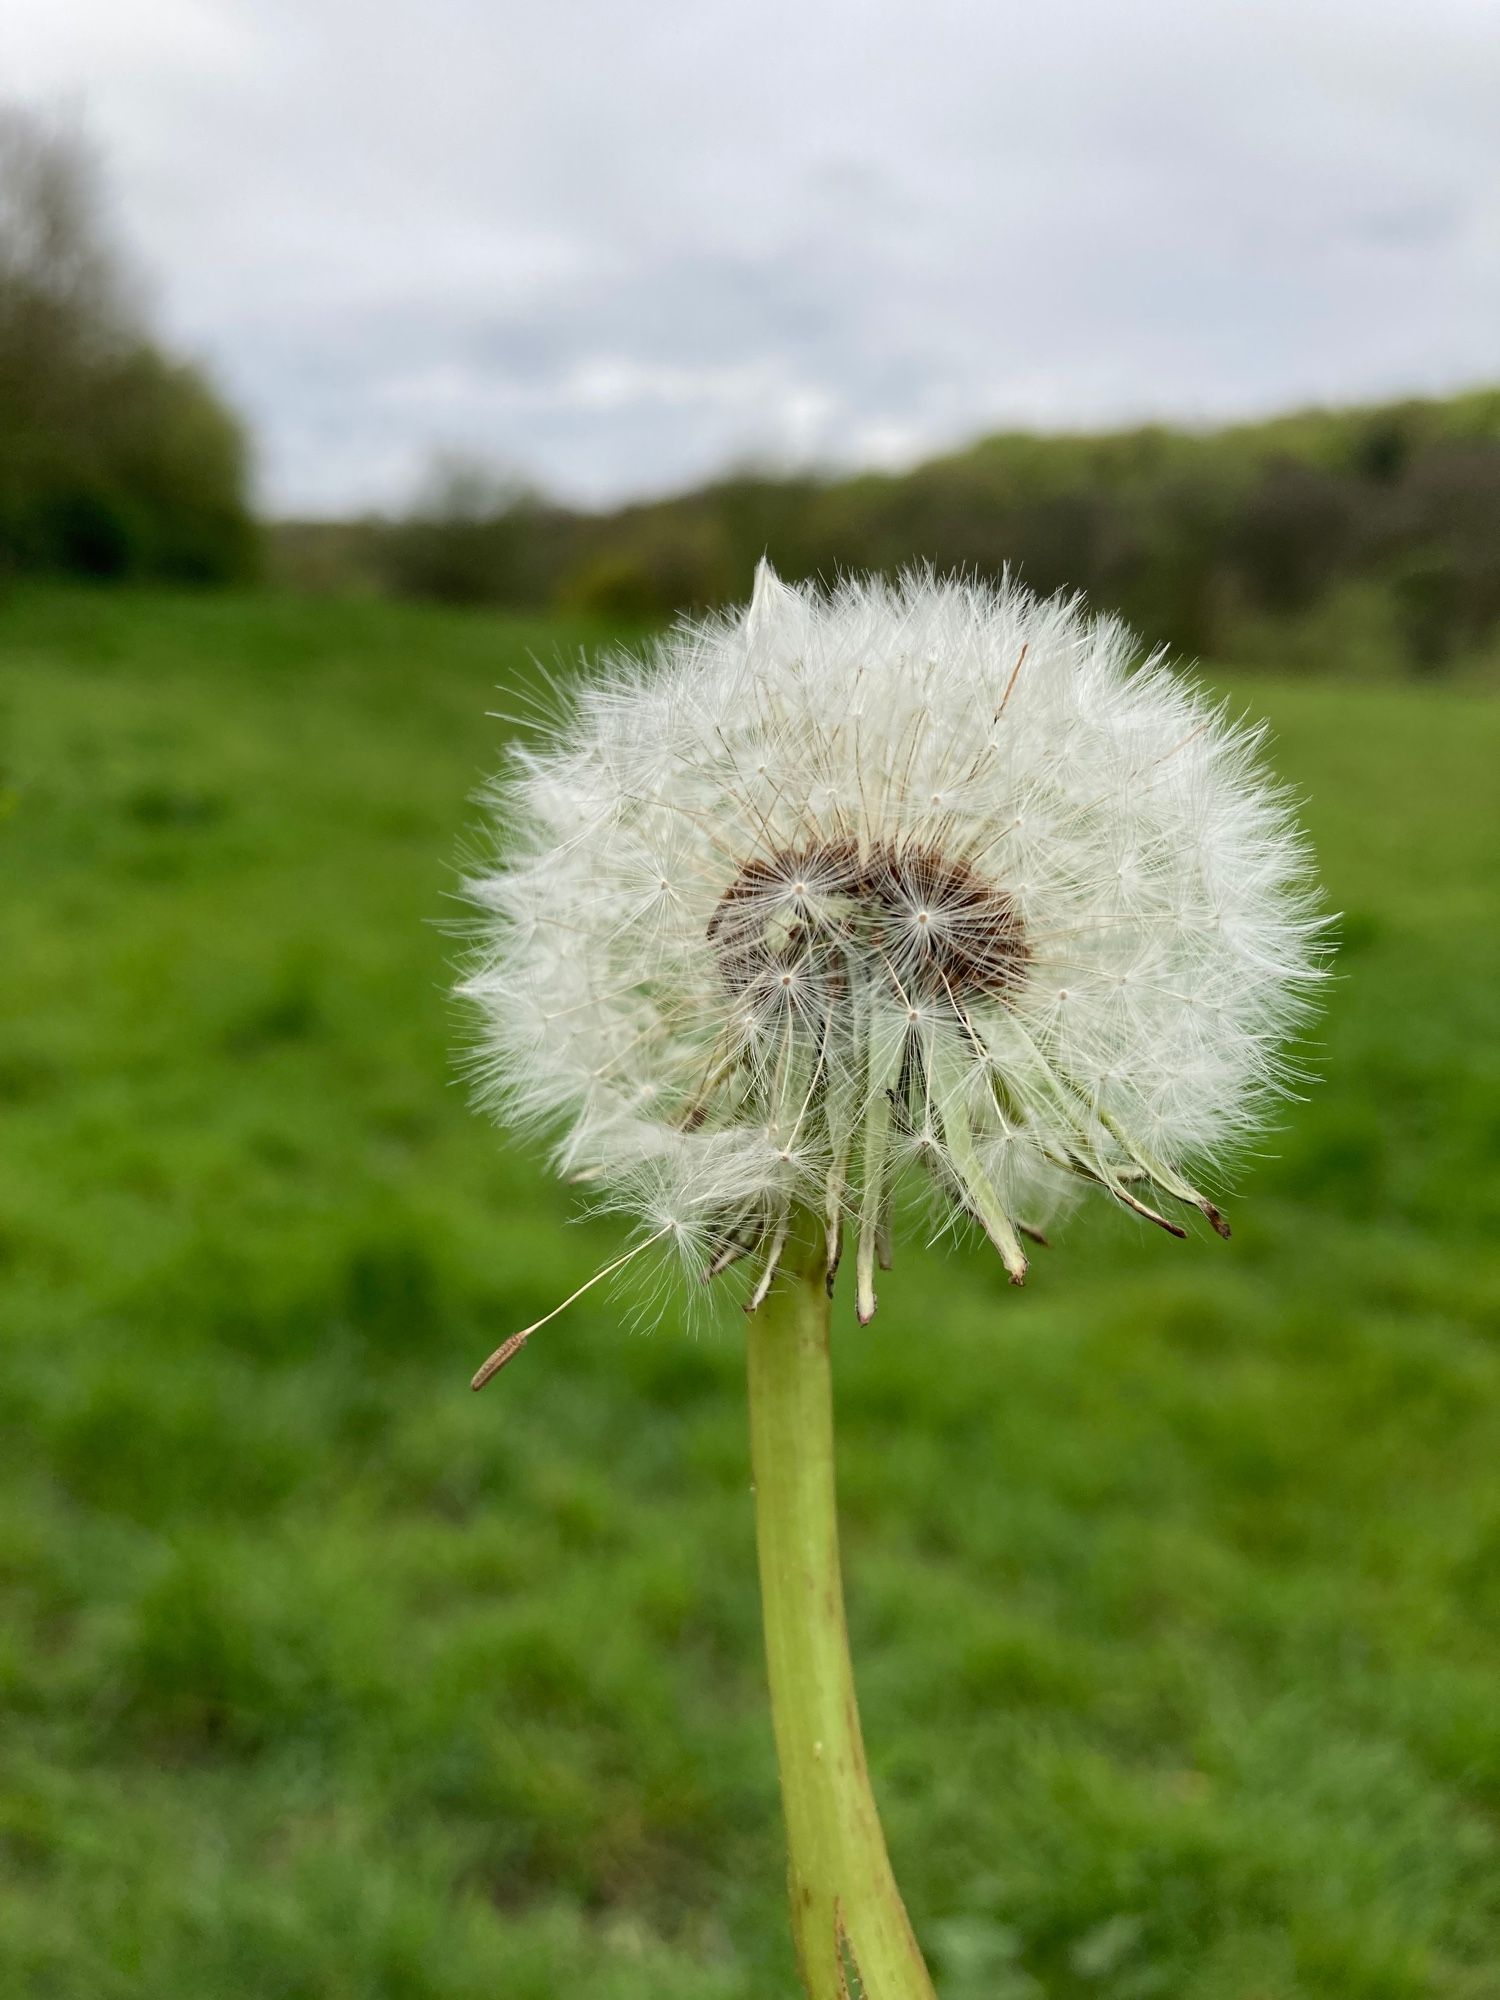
1174, 1580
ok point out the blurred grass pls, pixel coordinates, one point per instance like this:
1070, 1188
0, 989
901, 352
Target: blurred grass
1175, 1581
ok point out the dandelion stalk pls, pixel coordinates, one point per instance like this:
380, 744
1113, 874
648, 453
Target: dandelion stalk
848, 1920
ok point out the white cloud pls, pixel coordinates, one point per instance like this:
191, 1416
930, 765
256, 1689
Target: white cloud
615, 246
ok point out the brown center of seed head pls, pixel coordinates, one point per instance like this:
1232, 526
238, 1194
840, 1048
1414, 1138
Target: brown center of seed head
827, 915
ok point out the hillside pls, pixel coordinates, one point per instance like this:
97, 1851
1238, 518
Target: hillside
1362, 541
1172, 1578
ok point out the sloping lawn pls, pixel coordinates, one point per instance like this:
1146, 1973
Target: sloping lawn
1174, 1581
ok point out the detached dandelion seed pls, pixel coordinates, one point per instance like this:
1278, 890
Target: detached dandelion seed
928, 885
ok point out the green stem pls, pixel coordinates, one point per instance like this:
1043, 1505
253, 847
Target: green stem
848, 1920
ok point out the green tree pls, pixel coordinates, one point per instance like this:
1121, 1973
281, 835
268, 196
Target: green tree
115, 458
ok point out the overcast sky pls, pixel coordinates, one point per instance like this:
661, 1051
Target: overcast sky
618, 244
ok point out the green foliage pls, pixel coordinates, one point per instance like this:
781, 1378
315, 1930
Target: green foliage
468, 541
1173, 1578
1240, 543
115, 459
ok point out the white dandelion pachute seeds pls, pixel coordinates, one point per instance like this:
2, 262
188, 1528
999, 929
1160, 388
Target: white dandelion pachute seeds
926, 882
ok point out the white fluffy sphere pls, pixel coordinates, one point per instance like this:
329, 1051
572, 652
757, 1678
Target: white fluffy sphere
928, 882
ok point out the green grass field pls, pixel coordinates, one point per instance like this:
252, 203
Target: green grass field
1174, 1581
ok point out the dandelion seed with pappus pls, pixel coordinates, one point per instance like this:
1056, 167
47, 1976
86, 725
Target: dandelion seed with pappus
927, 888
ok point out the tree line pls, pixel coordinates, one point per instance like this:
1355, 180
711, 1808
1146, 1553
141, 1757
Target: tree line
117, 458
1346, 538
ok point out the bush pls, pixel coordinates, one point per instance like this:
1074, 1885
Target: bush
469, 540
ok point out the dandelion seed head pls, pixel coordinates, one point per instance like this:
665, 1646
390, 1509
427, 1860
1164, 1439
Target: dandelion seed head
932, 879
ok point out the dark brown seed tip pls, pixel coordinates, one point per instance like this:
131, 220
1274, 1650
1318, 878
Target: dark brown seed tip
1217, 1221
507, 1351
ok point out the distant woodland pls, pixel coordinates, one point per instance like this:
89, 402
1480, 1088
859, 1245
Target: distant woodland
1359, 539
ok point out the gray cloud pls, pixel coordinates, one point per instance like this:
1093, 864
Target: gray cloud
616, 247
